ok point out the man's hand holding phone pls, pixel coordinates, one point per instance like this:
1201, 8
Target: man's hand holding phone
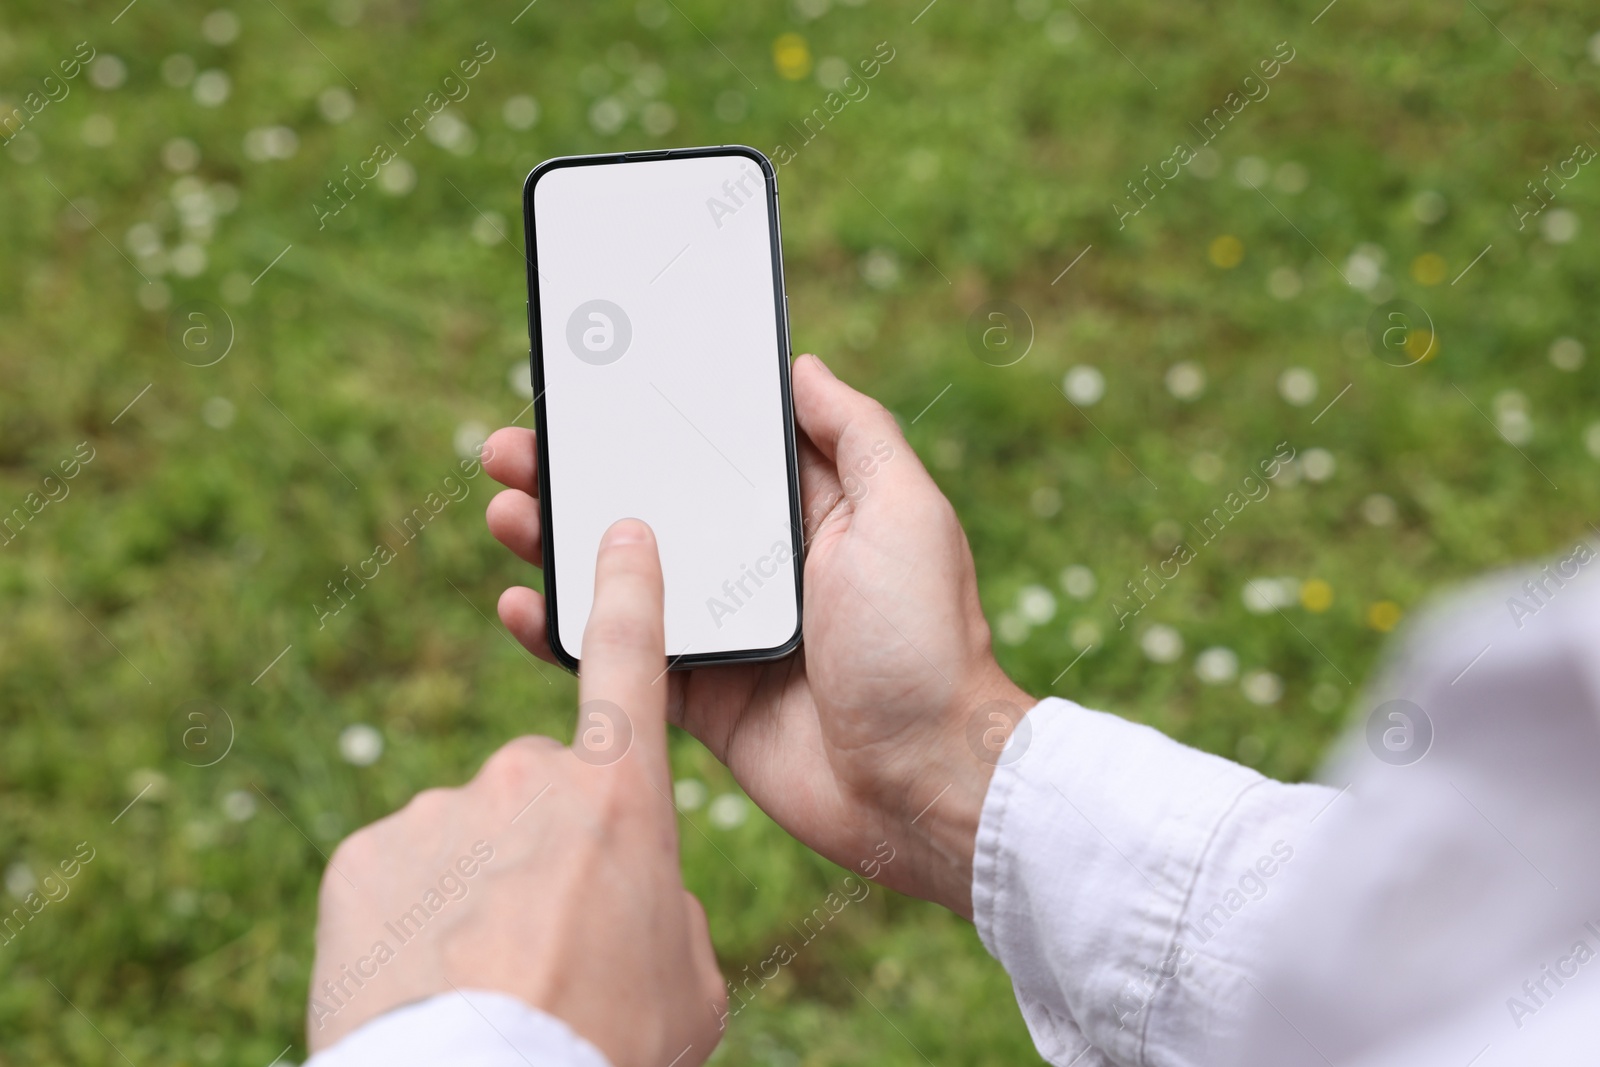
866, 734
552, 876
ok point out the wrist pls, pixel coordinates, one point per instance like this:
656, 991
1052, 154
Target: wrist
936, 808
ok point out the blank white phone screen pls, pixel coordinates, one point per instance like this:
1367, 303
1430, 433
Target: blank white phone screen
663, 392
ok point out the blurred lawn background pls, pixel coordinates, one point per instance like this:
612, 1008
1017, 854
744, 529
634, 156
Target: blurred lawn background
141, 613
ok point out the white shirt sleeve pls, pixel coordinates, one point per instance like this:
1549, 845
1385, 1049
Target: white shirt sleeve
1110, 859
1435, 907
471, 1028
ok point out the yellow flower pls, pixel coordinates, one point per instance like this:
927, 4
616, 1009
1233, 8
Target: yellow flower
1316, 595
1226, 251
1384, 615
1422, 345
1429, 268
792, 56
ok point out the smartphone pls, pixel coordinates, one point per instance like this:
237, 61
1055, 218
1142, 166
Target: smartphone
660, 354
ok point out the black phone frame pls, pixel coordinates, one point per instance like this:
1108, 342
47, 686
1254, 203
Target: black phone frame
785, 356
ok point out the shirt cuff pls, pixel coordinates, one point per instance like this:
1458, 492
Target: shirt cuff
1098, 838
471, 1028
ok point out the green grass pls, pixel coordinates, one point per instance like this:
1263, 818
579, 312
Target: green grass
985, 158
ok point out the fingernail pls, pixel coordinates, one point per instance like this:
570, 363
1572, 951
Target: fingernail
821, 364
625, 532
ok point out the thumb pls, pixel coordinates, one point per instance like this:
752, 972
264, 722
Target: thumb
858, 438
622, 692
848, 427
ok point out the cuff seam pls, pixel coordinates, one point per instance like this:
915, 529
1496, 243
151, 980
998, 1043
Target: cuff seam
1188, 897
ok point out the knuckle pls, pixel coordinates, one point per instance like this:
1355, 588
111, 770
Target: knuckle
350, 856
428, 805
878, 419
519, 770
871, 424
874, 409
517, 758
353, 848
